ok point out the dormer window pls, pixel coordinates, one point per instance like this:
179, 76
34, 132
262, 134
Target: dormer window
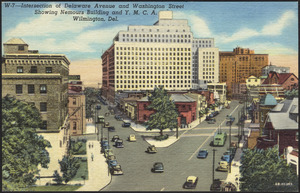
21, 48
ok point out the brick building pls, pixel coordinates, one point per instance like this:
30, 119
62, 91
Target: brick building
237, 66
287, 80
40, 79
76, 107
186, 107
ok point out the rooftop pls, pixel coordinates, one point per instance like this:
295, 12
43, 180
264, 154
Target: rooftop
268, 100
15, 41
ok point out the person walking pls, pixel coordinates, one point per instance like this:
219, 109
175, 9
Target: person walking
89, 145
92, 156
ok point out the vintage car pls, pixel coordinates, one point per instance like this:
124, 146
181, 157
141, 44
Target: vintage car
126, 124
106, 124
116, 170
216, 185
211, 121
202, 153
131, 138
112, 112
98, 107
111, 129
104, 142
158, 167
118, 117
151, 149
111, 157
112, 163
119, 143
191, 182
223, 166
108, 152
115, 138
106, 114
228, 158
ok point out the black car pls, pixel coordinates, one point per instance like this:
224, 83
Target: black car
126, 125
112, 129
216, 186
115, 138
98, 107
158, 167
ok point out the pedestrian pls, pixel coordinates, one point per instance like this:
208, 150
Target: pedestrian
89, 145
92, 144
92, 157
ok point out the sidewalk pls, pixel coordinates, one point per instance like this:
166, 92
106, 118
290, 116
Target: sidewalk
233, 176
99, 175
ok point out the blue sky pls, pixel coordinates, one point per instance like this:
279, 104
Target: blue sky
267, 27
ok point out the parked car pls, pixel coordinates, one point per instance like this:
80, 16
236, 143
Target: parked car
104, 148
151, 149
215, 113
126, 124
202, 153
191, 182
119, 143
100, 119
211, 121
106, 124
112, 112
118, 117
116, 170
216, 185
104, 142
131, 138
223, 166
228, 158
158, 167
111, 129
115, 138
108, 152
111, 157
112, 163
98, 107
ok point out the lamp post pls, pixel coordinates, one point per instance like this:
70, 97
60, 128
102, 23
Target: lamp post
213, 167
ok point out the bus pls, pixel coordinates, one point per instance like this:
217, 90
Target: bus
219, 138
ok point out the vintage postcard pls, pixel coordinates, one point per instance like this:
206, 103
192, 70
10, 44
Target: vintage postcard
149, 96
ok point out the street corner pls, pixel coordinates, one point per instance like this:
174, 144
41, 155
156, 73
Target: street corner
163, 143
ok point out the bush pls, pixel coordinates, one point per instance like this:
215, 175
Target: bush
84, 159
161, 137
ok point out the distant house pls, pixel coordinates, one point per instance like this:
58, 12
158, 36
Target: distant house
281, 126
186, 107
287, 80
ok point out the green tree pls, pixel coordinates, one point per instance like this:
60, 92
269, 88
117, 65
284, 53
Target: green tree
22, 149
57, 178
69, 166
165, 115
264, 170
90, 99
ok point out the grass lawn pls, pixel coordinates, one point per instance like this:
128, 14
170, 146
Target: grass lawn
82, 150
82, 171
53, 188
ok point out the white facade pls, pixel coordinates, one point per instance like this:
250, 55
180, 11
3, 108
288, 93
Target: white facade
165, 53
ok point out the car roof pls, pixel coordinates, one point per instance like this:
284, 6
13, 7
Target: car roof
191, 178
132, 135
158, 163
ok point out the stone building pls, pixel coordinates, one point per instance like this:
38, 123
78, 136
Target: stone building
279, 69
39, 79
237, 66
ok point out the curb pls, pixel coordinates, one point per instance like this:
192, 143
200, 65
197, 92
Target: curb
106, 184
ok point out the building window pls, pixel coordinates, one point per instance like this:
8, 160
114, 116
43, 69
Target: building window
21, 48
74, 125
48, 69
20, 69
30, 89
74, 101
44, 125
19, 89
43, 107
33, 69
43, 88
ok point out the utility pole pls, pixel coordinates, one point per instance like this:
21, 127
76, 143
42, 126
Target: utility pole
213, 168
177, 132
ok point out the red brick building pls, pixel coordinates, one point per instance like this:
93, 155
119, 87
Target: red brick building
186, 107
287, 80
108, 74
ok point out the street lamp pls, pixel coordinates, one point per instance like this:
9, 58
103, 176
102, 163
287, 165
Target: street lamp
213, 168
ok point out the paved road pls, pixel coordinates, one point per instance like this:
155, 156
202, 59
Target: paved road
179, 159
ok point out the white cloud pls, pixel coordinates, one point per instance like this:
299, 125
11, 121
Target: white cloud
48, 25
273, 28
271, 48
276, 27
198, 25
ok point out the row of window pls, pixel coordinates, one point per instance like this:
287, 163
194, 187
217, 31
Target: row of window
155, 67
43, 106
153, 49
209, 61
10, 61
154, 58
151, 63
208, 77
150, 86
157, 30
151, 81
158, 36
151, 53
151, 72
31, 89
33, 69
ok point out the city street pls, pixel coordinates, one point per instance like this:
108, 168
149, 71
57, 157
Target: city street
179, 159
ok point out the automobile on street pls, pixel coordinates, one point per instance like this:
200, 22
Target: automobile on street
115, 138
151, 149
108, 152
191, 182
116, 170
111, 129
119, 143
112, 163
158, 167
131, 138
202, 153
223, 166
